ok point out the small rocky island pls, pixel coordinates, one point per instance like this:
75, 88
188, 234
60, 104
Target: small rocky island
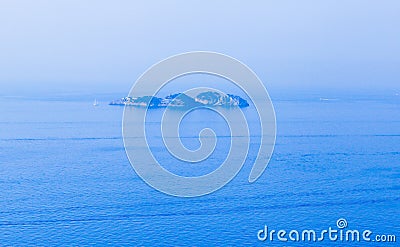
182, 100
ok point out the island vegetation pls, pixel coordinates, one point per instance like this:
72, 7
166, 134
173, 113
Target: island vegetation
209, 98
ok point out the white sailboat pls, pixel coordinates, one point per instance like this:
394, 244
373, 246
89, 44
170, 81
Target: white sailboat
95, 103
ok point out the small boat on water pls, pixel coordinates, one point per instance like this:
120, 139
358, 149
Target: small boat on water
95, 103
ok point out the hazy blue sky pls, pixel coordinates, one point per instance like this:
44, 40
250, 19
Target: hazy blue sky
105, 45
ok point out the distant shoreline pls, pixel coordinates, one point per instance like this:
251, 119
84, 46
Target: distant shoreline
182, 100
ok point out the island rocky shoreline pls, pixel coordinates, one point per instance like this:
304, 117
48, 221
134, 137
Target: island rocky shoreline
182, 100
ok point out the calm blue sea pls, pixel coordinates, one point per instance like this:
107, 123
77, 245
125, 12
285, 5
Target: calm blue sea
65, 178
